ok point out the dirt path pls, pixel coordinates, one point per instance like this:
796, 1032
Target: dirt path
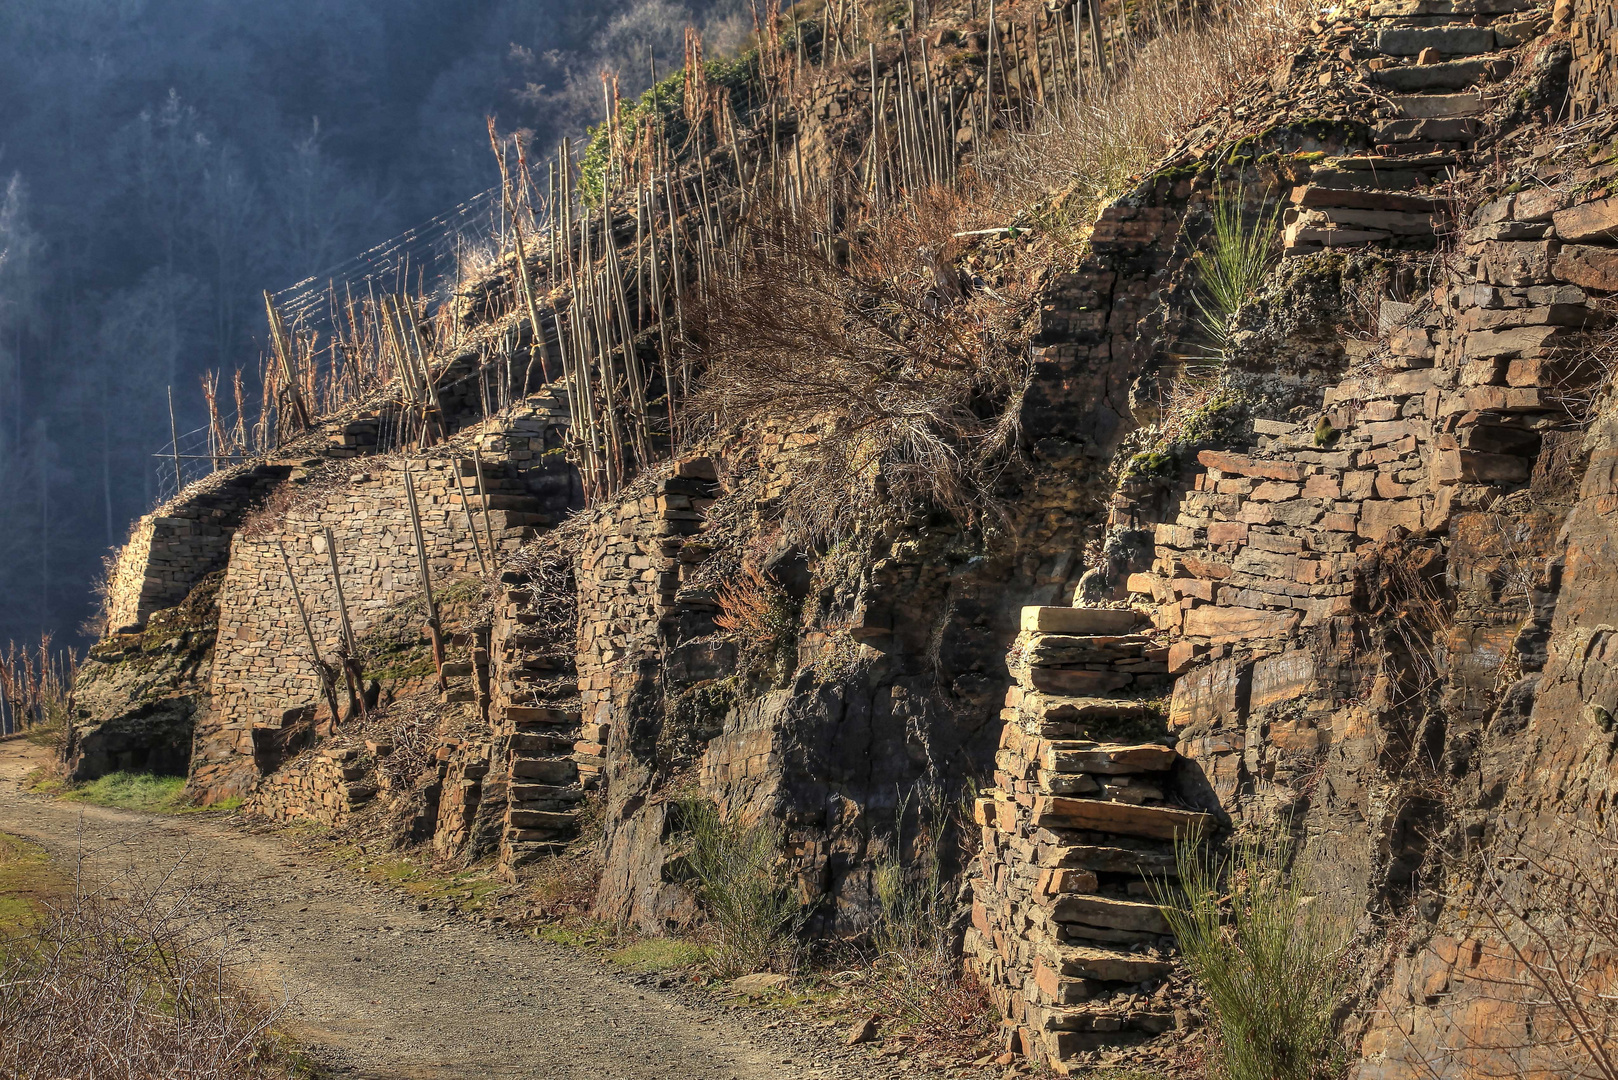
379, 989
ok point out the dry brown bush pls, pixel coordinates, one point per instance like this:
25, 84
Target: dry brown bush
1094, 144
128, 989
900, 379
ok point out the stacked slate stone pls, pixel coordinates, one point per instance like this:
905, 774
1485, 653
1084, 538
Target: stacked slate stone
1427, 58
325, 786
1064, 929
536, 714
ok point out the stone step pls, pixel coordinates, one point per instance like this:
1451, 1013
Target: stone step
1107, 913
1346, 177
1106, 759
454, 696
1081, 621
1102, 858
538, 716
553, 796
530, 743
1425, 106
1077, 681
1094, 815
1101, 964
1073, 1030
1450, 75
554, 821
523, 846
1116, 788
1385, 9
1053, 649
1451, 129
550, 770
1448, 40
458, 669
1078, 708
1391, 222
1314, 196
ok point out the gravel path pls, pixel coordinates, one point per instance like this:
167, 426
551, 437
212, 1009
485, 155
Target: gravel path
378, 989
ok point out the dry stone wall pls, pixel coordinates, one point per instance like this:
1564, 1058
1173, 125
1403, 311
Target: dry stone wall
262, 671
1065, 930
176, 545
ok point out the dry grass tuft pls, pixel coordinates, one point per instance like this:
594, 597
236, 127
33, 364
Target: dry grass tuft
128, 989
1094, 145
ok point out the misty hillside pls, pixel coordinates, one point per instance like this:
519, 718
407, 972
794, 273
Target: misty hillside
163, 162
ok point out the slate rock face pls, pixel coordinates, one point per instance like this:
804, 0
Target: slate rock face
138, 695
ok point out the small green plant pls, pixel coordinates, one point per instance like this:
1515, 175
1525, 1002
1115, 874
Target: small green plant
1267, 954
752, 909
1231, 268
913, 894
658, 954
1325, 434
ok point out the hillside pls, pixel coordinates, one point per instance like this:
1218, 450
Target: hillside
1145, 431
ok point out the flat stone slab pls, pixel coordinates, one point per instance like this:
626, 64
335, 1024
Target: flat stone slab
1124, 819
1454, 75
1107, 965
1101, 622
1108, 761
1103, 911
1453, 40
1436, 106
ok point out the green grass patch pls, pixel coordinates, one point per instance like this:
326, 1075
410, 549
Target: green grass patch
658, 954
579, 935
27, 880
147, 793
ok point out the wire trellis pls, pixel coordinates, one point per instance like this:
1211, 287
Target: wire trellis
195, 457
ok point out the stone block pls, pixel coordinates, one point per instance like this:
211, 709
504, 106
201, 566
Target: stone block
1228, 624
1448, 40
1217, 692
1123, 819
1589, 221
1279, 679
1110, 761
1079, 620
1518, 263
1076, 682
1112, 914
1244, 465
1588, 266
1513, 342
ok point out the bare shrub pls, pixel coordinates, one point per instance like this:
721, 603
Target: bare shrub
755, 609
36, 688
128, 989
900, 380
916, 976
753, 913
1547, 931
1268, 956
1092, 145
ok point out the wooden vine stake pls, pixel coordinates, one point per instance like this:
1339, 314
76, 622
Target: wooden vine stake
283, 354
351, 662
466, 507
328, 681
433, 627
483, 493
